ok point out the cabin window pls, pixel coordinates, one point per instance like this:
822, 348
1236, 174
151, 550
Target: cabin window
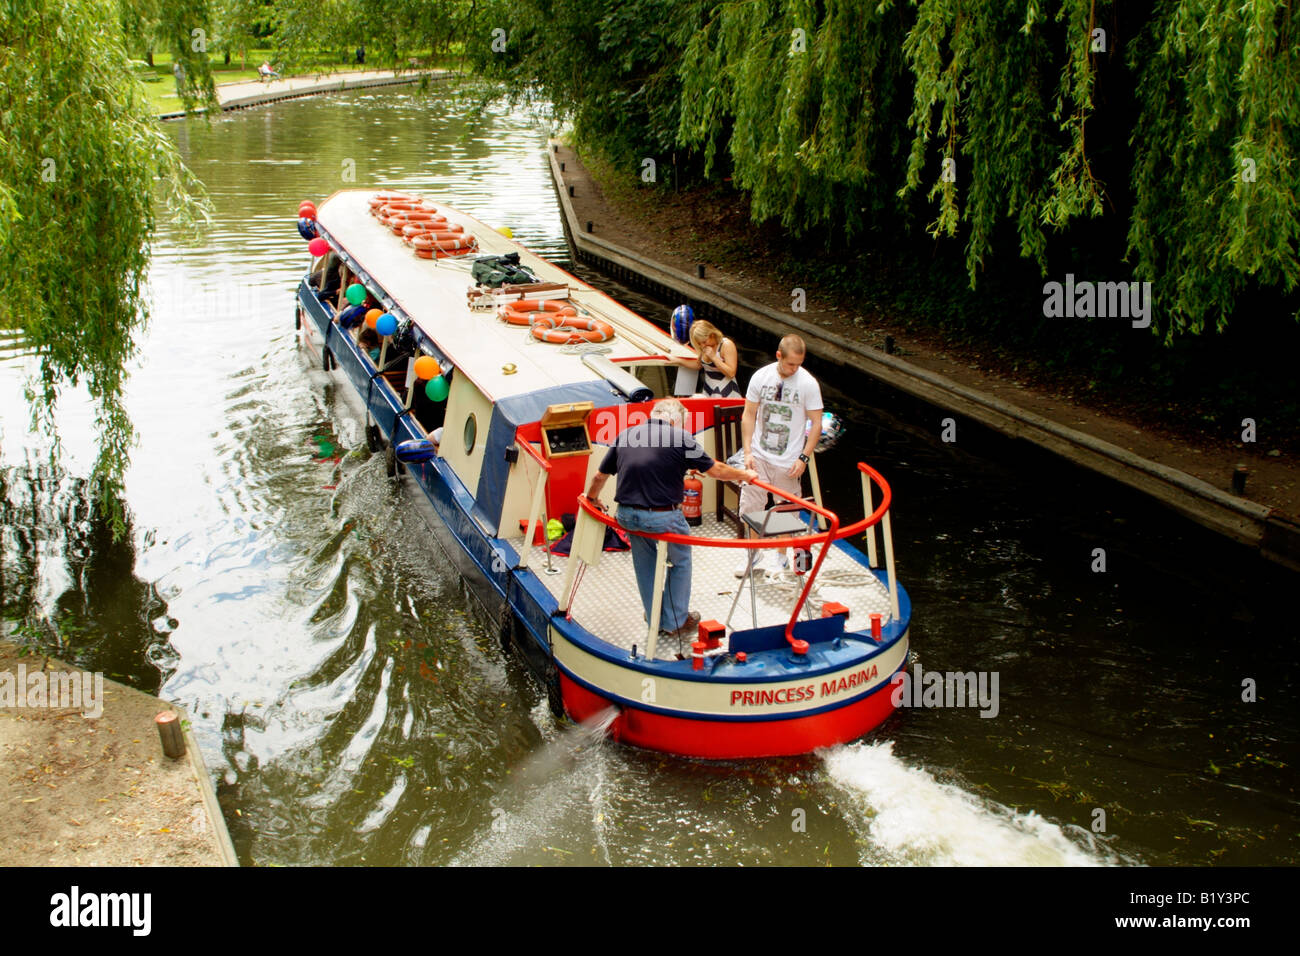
471, 432
656, 377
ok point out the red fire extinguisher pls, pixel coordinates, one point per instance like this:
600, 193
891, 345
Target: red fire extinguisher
691, 500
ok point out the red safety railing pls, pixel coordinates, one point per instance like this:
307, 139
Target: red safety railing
833, 533
527, 446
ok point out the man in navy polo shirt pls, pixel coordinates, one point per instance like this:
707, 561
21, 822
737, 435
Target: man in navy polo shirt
651, 461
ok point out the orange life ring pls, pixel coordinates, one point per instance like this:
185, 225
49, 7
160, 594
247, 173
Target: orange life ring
419, 215
419, 228
528, 311
384, 198
567, 329
439, 226
442, 240
398, 211
389, 216
443, 253
399, 224
388, 208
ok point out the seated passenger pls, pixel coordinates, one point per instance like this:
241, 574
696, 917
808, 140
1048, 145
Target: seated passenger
325, 279
369, 343
352, 316
346, 278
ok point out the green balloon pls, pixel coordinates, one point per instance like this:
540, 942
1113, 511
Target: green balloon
554, 530
437, 389
356, 293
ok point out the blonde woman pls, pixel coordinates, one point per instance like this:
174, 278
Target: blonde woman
718, 361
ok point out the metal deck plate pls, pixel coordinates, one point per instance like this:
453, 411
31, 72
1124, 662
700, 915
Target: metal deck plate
608, 605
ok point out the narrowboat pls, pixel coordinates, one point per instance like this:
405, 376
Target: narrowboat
493, 381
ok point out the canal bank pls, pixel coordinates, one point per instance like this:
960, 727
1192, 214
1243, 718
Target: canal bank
1193, 481
89, 784
245, 93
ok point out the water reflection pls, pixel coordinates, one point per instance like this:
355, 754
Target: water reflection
68, 586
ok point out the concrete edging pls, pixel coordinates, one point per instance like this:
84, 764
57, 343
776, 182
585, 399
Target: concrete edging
318, 88
1274, 535
225, 846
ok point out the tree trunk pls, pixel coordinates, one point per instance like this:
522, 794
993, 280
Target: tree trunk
227, 57
148, 57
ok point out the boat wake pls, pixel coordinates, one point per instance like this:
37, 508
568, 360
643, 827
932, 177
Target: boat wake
907, 817
554, 803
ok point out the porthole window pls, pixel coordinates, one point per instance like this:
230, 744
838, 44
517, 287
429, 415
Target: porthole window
471, 432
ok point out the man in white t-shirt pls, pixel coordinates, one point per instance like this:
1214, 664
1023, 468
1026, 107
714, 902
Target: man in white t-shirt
780, 399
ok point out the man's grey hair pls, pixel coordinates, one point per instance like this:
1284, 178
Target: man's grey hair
669, 410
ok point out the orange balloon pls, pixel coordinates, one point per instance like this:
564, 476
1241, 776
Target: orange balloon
372, 317
427, 367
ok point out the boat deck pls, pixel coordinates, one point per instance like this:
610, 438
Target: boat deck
433, 293
608, 604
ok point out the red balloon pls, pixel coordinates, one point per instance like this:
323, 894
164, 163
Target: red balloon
318, 247
305, 203
306, 212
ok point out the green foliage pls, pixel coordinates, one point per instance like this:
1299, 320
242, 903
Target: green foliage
609, 66
390, 30
1219, 92
1004, 126
804, 104
80, 158
181, 28
238, 25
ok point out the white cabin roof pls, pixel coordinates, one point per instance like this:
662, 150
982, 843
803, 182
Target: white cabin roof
433, 293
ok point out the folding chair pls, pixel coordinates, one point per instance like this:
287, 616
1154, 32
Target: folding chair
780, 521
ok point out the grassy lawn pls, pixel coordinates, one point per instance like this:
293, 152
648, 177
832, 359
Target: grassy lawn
160, 86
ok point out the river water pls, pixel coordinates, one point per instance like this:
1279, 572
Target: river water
354, 709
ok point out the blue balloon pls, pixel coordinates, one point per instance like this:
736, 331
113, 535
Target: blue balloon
416, 450
683, 317
385, 324
307, 228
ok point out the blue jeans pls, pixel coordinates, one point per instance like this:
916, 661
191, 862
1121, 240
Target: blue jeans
677, 582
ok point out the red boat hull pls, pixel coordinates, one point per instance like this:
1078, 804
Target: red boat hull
732, 740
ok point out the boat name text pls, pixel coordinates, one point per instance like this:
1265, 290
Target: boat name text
804, 692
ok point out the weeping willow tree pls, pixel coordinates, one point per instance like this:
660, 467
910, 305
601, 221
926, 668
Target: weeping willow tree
1215, 155
610, 67
801, 100
82, 163
1151, 139
389, 30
